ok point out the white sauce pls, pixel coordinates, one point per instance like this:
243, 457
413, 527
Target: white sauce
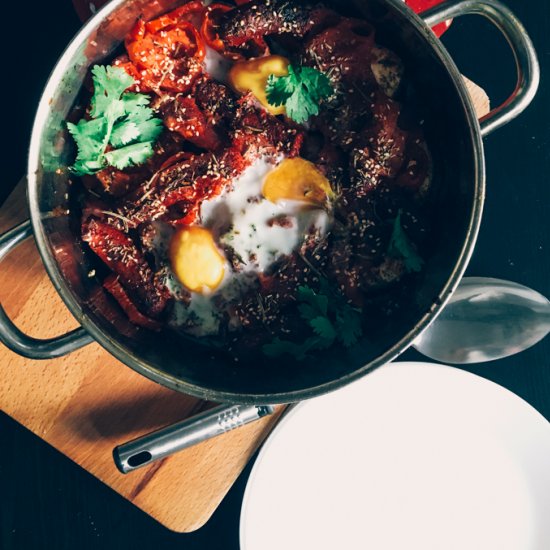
259, 243
253, 236
216, 65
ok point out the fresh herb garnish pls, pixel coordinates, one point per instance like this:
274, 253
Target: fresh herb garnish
402, 247
300, 92
120, 121
330, 318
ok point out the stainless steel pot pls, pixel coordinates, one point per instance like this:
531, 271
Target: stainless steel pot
454, 135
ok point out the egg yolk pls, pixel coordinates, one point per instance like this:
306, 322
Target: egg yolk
252, 75
297, 179
195, 259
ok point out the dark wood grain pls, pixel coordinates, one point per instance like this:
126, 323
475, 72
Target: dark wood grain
47, 502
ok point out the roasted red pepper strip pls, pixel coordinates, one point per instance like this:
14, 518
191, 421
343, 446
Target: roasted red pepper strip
168, 52
137, 32
209, 29
121, 255
113, 286
140, 85
184, 117
175, 17
174, 159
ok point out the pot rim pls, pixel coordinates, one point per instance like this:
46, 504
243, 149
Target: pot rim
171, 381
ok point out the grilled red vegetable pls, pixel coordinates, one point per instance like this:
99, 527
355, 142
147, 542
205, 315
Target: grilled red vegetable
209, 25
243, 29
175, 17
115, 288
184, 117
167, 51
121, 255
84, 9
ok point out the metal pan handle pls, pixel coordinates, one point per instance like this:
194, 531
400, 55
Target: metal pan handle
146, 449
524, 53
16, 340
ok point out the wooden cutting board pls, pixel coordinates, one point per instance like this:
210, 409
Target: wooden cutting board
86, 403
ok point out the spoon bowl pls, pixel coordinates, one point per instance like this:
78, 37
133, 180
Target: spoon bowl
485, 320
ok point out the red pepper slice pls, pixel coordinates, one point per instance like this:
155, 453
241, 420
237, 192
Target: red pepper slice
174, 159
117, 291
140, 86
208, 26
184, 117
175, 17
120, 254
168, 51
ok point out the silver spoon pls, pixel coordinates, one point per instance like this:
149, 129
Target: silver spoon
486, 319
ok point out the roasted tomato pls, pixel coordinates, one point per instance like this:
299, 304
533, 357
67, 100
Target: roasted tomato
120, 254
175, 17
141, 86
184, 117
116, 290
168, 51
209, 26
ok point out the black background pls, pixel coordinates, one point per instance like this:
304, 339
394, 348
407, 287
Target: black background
46, 501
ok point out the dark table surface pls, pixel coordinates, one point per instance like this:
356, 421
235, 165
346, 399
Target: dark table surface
46, 501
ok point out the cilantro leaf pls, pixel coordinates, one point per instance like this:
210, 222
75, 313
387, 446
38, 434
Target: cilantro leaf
278, 90
317, 83
301, 92
85, 167
120, 119
402, 247
138, 124
141, 113
317, 302
322, 326
149, 130
88, 135
348, 324
132, 101
89, 138
330, 319
109, 85
279, 347
131, 155
123, 133
300, 106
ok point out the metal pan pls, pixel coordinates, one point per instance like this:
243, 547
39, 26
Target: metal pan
455, 138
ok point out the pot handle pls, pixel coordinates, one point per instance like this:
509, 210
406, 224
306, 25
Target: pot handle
162, 443
524, 53
16, 340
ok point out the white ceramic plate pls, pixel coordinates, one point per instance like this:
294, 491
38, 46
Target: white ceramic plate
414, 456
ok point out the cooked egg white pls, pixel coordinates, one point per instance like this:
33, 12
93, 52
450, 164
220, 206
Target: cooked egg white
216, 65
259, 232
